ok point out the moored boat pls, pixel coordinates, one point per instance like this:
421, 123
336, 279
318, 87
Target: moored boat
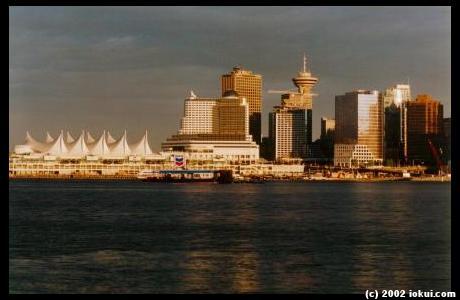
182, 176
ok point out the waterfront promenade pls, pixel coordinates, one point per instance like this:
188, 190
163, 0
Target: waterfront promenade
242, 179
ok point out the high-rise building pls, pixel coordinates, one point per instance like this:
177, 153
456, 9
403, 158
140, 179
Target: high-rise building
231, 116
424, 130
215, 128
287, 118
247, 85
397, 95
395, 122
358, 138
287, 132
327, 137
198, 115
225, 116
303, 98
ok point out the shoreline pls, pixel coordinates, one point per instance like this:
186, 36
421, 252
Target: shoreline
250, 181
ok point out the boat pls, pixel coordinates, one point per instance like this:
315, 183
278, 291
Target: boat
182, 176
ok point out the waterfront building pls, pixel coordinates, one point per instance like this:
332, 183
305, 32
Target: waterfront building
358, 136
247, 85
395, 101
327, 138
215, 129
82, 148
425, 130
287, 132
26, 166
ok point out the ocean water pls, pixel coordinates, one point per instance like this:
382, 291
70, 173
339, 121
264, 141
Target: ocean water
136, 237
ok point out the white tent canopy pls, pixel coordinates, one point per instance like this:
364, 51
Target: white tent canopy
49, 138
58, 147
69, 138
89, 138
120, 147
84, 145
34, 144
142, 148
110, 139
100, 147
79, 147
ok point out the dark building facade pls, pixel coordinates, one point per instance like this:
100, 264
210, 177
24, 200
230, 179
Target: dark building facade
393, 147
327, 138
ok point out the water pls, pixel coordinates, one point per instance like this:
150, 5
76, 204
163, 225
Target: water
136, 237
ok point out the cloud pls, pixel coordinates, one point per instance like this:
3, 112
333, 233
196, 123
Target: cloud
92, 65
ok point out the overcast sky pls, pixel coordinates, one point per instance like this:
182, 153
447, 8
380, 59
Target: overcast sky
119, 68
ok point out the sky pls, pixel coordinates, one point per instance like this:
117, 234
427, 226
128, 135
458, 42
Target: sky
118, 68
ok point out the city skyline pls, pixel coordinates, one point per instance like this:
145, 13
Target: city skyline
68, 74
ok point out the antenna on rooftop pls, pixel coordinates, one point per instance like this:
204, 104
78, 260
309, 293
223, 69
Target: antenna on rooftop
304, 62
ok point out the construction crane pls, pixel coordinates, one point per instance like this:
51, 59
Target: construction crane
434, 153
282, 92
287, 92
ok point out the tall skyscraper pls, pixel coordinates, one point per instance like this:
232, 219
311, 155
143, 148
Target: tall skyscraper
303, 98
287, 117
287, 132
247, 85
395, 101
358, 128
424, 130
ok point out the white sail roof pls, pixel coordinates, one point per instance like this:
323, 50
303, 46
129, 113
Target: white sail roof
58, 147
69, 138
100, 147
89, 138
121, 147
110, 139
142, 147
35, 145
49, 138
84, 145
79, 148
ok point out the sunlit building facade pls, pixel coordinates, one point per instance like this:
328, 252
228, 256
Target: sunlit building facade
395, 101
215, 129
358, 136
247, 85
198, 115
287, 132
